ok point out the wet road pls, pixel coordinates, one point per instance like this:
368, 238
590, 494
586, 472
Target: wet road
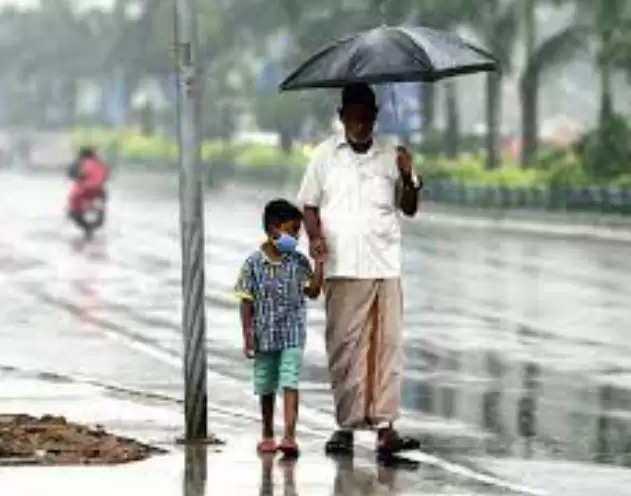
518, 360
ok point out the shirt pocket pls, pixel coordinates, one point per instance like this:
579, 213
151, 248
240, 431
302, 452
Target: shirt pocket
340, 187
380, 192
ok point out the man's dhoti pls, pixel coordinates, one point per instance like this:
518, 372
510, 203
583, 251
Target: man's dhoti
364, 349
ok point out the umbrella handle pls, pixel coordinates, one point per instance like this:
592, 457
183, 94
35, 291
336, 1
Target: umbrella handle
393, 100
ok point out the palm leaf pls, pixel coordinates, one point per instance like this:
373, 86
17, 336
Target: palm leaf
496, 23
557, 49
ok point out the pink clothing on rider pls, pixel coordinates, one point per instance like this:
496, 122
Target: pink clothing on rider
93, 173
92, 178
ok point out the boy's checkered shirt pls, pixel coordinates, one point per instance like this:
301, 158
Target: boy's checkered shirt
277, 290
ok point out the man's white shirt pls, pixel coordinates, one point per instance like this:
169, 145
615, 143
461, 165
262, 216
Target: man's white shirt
356, 195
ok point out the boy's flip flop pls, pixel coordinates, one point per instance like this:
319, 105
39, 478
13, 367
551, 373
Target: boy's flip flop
266, 446
289, 449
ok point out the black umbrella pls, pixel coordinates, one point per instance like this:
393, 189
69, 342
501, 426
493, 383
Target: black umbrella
390, 54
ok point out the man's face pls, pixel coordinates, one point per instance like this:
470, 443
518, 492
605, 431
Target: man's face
359, 122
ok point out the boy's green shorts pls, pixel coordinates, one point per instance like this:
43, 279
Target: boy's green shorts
274, 369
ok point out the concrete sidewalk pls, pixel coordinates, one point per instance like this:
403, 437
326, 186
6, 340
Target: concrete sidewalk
231, 469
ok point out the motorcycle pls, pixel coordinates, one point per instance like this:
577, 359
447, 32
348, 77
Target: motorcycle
91, 214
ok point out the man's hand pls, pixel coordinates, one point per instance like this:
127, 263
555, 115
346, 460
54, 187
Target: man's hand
404, 162
411, 184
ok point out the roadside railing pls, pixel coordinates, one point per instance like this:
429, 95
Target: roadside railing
594, 198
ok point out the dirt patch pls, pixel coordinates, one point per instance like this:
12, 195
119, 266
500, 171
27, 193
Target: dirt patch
26, 440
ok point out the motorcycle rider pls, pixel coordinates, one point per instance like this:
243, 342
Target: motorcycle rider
90, 174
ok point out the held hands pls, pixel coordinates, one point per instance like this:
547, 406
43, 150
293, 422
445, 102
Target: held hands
318, 249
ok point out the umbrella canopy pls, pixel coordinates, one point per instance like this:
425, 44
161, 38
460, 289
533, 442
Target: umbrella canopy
390, 54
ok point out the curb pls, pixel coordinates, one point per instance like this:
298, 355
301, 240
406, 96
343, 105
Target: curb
599, 227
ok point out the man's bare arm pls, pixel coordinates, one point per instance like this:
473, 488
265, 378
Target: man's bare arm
313, 226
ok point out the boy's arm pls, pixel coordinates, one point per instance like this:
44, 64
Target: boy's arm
315, 282
247, 317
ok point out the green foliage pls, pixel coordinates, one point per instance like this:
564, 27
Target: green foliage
434, 143
265, 163
222, 158
136, 147
567, 173
470, 170
128, 144
606, 151
216, 151
99, 138
260, 156
555, 168
623, 181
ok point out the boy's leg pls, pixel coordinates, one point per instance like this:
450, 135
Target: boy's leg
291, 413
267, 415
289, 378
265, 385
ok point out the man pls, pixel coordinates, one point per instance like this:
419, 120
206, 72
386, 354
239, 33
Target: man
351, 194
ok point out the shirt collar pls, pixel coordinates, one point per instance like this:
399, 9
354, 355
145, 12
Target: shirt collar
340, 140
377, 145
269, 261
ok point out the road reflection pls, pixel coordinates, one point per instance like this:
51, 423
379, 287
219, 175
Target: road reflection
195, 470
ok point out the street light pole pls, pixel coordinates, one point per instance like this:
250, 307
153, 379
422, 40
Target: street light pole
191, 220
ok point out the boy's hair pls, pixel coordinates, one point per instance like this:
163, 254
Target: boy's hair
279, 211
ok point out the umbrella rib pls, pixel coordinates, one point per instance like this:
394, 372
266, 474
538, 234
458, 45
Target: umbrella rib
428, 62
494, 64
315, 57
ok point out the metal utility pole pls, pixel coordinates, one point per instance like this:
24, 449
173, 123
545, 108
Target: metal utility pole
191, 220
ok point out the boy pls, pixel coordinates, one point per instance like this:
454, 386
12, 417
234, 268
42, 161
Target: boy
272, 288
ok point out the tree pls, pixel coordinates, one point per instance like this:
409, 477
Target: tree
439, 14
541, 57
496, 23
447, 15
606, 151
610, 23
452, 136
49, 49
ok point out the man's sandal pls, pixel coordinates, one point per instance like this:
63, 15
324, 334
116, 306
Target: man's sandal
340, 443
390, 443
